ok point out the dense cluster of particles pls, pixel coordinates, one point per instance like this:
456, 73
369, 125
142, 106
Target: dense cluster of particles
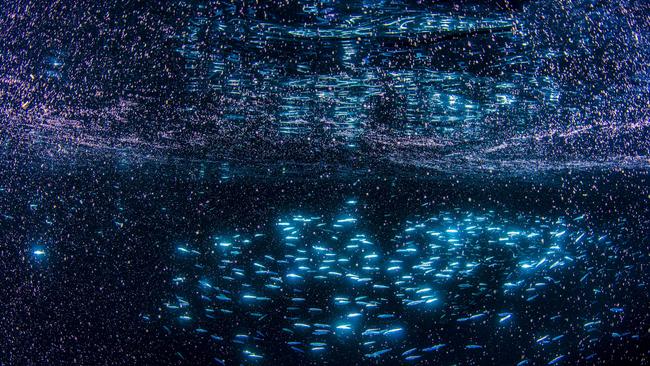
456, 286
414, 83
324, 182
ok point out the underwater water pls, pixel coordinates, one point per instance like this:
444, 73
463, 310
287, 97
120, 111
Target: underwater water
325, 182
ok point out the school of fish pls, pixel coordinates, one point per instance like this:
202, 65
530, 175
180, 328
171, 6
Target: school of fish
314, 288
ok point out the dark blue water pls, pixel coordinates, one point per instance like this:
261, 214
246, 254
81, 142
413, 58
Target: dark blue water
102, 265
324, 182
